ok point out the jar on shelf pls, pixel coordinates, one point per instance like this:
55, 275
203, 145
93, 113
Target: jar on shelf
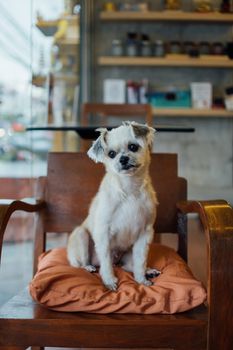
109, 6
175, 47
143, 6
218, 48
229, 50
131, 48
226, 6
145, 49
117, 48
172, 4
159, 48
204, 48
191, 49
145, 46
203, 5
125, 6
188, 46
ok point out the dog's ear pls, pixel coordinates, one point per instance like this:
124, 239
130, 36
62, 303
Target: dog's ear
144, 132
96, 152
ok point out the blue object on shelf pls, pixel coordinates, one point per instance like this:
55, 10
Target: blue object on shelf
170, 99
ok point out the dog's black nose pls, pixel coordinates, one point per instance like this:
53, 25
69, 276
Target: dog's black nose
124, 160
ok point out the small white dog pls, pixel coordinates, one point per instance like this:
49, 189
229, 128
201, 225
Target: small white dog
119, 226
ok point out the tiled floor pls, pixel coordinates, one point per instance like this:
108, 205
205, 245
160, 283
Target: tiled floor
16, 267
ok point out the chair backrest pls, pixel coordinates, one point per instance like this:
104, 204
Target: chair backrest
105, 110
73, 180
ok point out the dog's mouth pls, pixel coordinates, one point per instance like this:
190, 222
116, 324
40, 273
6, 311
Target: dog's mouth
129, 166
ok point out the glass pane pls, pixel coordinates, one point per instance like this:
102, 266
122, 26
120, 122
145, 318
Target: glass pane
39, 85
15, 92
55, 76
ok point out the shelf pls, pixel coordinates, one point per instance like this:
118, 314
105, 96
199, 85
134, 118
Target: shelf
168, 60
68, 46
191, 112
69, 78
166, 16
67, 42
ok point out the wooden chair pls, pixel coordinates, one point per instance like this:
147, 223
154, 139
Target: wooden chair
103, 111
18, 188
63, 200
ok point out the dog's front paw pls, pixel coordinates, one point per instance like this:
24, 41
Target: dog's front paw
90, 268
111, 283
147, 282
144, 281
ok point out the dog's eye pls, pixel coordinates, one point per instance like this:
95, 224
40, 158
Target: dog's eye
112, 154
133, 147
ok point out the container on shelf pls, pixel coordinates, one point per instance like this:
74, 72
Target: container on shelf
202, 95
188, 46
117, 48
145, 46
173, 4
145, 49
136, 7
229, 50
175, 47
203, 5
159, 48
204, 48
132, 47
109, 6
229, 98
170, 99
218, 48
143, 6
191, 49
226, 6
125, 6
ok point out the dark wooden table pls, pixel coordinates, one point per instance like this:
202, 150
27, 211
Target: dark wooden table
90, 133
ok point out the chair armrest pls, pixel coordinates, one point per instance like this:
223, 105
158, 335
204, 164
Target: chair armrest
215, 215
217, 219
8, 206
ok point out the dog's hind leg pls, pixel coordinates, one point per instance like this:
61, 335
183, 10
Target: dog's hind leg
127, 265
78, 251
126, 261
151, 273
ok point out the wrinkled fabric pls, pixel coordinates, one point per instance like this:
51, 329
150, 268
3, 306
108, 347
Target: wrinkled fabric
59, 286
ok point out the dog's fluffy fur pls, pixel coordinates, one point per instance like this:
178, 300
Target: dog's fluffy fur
119, 226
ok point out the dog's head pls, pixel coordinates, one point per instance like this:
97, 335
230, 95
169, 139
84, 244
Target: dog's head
124, 150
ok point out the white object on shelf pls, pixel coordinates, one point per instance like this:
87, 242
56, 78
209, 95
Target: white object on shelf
201, 94
114, 91
143, 90
132, 95
229, 102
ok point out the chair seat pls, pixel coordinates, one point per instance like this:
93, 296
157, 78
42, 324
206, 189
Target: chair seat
52, 328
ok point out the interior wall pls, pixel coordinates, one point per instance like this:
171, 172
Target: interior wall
205, 156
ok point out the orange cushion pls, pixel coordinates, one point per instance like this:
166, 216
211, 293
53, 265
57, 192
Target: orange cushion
59, 286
